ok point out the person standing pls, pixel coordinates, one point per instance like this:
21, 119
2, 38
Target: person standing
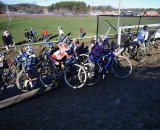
27, 35
45, 35
60, 32
7, 39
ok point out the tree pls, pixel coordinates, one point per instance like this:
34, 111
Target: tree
2, 7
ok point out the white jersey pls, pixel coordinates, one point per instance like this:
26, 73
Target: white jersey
142, 35
157, 34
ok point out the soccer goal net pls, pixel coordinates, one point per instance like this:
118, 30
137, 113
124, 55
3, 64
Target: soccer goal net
113, 25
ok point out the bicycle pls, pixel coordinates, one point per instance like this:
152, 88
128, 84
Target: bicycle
144, 50
27, 78
70, 73
120, 66
8, 74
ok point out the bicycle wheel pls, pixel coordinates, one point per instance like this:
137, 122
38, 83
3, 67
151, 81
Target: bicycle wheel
121, 67
83, 58
149, 48
93, 75
24, 83
75, 76
47, 77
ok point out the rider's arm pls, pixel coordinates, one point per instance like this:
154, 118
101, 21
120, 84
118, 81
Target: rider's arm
146, 36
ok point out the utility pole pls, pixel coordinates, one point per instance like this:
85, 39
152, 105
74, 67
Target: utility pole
119, 12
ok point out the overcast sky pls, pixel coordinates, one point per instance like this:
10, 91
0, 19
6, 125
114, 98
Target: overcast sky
114, 3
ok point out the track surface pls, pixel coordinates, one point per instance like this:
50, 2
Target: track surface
113, 104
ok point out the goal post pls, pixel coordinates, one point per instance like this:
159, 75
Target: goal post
107, 24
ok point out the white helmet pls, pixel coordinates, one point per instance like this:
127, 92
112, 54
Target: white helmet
29, 49
104, 37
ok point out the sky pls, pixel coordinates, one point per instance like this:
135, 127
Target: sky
113, 3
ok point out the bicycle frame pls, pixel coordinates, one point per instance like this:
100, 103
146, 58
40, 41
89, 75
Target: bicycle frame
106, 65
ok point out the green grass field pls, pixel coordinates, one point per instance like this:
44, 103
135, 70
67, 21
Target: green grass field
17, 25
70, 24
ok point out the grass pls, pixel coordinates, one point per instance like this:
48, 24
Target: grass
70, 24
18, 25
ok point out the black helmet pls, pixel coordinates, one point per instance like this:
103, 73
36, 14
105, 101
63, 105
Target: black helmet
145, 27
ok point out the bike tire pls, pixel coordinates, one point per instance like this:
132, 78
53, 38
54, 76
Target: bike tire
47, 77
121, 67
93, 75
75, 76
23, 83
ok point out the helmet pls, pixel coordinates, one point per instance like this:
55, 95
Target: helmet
62, 46
145, 27
105, 39
29, 49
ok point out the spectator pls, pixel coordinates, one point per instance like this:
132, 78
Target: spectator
45, 35
26, 34
82, 33
7, 39
60, 32
33, 35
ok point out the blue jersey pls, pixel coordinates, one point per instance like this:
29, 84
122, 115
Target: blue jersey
21, 57
97, 50
142, 35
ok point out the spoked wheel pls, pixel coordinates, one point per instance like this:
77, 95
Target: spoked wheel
93, 74
47, 77
25, 82
121, 67
75, 76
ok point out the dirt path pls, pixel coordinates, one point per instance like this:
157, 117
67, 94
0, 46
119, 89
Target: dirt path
113, 104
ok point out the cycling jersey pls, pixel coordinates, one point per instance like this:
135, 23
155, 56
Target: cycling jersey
157, 34
142, 35
59, 55
97, 50
21, 57
31, 59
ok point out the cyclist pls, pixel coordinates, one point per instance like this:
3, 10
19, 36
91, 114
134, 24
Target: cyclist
156, 36
141, 37
99, 48
30, 64
20, 58
92, 44
49, 46
72, 47
60, 56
